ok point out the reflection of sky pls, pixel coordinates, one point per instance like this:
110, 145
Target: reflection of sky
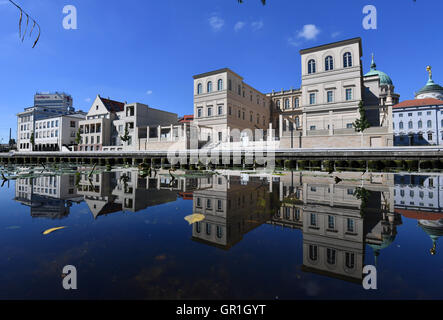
150, 254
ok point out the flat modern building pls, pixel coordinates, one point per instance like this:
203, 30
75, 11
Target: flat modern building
45, 106
52, 134
223, 102
419, 122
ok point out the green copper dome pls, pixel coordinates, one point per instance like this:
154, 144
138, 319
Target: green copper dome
384, 78
431, 86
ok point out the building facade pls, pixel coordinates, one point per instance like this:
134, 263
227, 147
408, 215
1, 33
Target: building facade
224, 106
52, 134
419, 122
45, 106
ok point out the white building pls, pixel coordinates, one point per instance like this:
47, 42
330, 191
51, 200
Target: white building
420, 121
45, 106
52, 134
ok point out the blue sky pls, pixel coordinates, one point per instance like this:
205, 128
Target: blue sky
148, 51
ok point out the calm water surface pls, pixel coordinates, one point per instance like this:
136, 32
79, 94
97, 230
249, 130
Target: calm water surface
292, 235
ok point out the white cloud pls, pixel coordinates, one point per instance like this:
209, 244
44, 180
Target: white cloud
149, 92
239, 25
216, 23
309, 32
257, 25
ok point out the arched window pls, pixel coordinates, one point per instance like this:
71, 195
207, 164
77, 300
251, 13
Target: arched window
420, 124
330, 256
329, 63
286, 103
209, 88
313, 253
400, 125
311, 66
347, 60
220, 85
199, 88
410, 125
350, 260
429, 124
219, 232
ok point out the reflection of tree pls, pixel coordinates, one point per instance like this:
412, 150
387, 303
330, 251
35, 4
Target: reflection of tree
363, 195
28, 19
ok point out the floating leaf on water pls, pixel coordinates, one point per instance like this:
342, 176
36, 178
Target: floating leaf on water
52, 230
196, 217
12, 228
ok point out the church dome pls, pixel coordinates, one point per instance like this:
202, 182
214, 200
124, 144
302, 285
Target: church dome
431, 89
384, 78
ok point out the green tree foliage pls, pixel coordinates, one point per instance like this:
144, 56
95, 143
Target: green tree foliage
361, 124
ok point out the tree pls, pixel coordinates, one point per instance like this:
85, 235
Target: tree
125, 137
361, 124
32, 140
78, 137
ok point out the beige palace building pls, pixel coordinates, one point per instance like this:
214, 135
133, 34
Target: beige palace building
223, 103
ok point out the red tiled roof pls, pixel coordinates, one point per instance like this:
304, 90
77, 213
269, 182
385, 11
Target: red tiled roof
186, 118
113, 106
419, 215
419, 103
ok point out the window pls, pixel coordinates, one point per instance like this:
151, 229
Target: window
287, 105
220, 85
349, 126
419, 113
349, 257
429, 113
313, 219
209, 111
220, 110
313, 252
209, 87
311, 66
312, 98
199, 113
208, 204
330, 256
98, 139
330, 95
278, 104
348, 94
400, 125
72, 124
429, 136
350, 225
347, 60
297, 102
331, 222
208, 229
239, 90
329, 63
420, 124
230, 85
429, 124
219, 232
410, 125
230, 110
312, 128
199, 88
410, 114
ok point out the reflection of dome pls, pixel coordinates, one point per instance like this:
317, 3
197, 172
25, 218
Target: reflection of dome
434, 229
384, 78
387, 240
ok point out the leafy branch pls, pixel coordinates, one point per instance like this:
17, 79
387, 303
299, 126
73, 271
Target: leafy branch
29, 19
125, 137
361, 124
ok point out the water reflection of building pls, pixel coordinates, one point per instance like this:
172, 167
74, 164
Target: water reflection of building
47, 196
127, 190
232, 206
335, 226
420, 197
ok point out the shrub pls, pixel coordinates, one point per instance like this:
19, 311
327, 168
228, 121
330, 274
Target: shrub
303, 164
315, 164
411, 164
